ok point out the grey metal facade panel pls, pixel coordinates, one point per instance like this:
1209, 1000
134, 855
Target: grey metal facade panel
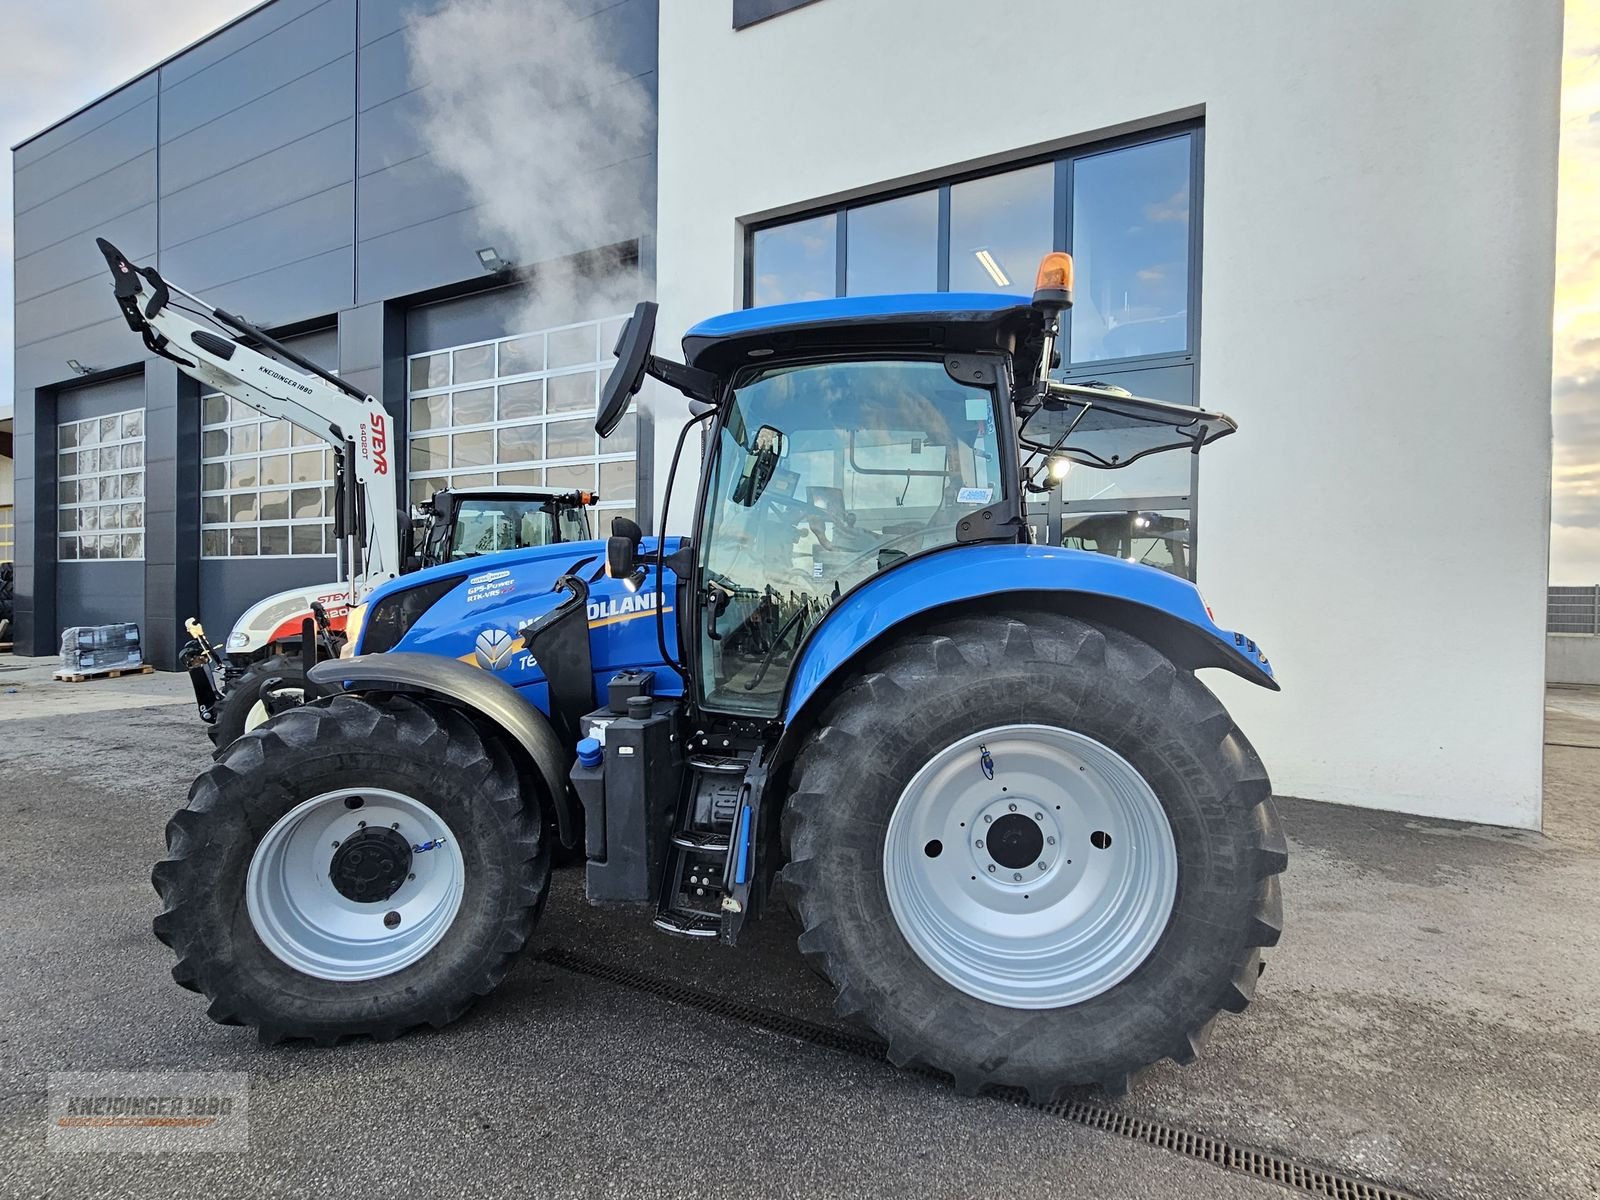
120, 190
76, 258
751, 12
290, 233
66, 309
380, 18
319, 99
385, 70
313, 287
405, 195
107, 108
265, 65
105, 344
306, 167
388, 133
98, 593
91, 154
227, 43
420, 257
99, 399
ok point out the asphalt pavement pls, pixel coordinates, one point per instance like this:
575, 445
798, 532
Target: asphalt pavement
1428, 1022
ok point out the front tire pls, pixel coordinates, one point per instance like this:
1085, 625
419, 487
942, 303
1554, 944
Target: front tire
249, 702
1107, 929
294, 915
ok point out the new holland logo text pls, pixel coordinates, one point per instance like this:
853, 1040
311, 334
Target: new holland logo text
620, 608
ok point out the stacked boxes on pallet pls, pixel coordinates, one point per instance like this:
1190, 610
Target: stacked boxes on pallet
88, 649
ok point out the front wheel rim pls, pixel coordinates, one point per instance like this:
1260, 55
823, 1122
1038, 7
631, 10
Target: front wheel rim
1030, 866
306, 922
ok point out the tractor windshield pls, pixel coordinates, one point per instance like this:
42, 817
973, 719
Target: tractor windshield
822, 475
485, 526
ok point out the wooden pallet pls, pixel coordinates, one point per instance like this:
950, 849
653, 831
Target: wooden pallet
112, 673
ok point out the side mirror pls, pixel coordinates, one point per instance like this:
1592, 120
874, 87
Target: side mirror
633, 356
771, 445
622, 553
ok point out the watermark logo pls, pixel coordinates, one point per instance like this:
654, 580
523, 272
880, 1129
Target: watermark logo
148, 1112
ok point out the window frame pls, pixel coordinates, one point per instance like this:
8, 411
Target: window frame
440, 477
77, 535
238, 415
1054, 508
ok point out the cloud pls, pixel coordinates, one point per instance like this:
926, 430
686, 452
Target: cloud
58, 58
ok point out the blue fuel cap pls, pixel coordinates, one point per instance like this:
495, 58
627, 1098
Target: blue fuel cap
590, 752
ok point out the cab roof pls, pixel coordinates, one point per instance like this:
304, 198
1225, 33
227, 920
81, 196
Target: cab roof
915, 320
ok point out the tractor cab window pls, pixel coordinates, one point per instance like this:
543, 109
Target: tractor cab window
485, 526
823, 475
574, 524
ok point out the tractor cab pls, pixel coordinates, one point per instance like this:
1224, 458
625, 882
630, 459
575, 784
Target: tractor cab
458, 523
849, 437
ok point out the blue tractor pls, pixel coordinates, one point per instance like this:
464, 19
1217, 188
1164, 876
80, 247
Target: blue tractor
1027, 846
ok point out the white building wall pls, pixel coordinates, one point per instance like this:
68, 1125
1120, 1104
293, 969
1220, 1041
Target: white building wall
1377, 275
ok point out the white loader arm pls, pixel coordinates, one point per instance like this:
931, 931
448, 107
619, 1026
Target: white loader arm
287, 386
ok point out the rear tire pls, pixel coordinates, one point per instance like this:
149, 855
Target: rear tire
963, 969
245, 705
428, 767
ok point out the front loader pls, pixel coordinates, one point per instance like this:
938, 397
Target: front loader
1023, 840
260, 668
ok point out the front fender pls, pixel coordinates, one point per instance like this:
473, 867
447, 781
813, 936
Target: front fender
479, 693
1162, 609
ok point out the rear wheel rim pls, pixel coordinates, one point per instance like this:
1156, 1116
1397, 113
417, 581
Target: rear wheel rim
305, 921
1030, 866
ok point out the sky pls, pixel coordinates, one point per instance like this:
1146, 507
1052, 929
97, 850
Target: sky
57, 55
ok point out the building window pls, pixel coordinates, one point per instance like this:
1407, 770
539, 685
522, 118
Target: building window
266, 487
100, 487
1000, 227
1127, 212
1130, 239
893, 246
520, 412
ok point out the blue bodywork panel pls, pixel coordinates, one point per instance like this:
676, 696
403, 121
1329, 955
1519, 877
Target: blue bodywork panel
500, 593
908, 306
988, 570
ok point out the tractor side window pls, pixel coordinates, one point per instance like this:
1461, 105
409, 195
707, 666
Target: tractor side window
823, 475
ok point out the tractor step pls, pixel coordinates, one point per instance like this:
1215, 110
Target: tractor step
708, 875
689, 924
726, 764
705, 842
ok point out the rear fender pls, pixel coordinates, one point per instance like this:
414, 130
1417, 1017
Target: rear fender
1160, 608
481, 696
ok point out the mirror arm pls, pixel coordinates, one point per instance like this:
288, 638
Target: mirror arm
691, 381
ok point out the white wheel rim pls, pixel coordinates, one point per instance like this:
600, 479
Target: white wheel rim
308, 924
1045, 931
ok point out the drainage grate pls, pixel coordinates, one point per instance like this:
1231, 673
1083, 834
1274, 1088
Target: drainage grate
1260, 1164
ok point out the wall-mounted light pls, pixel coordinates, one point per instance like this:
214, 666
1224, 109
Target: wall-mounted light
988, 263
489, 258
78, 368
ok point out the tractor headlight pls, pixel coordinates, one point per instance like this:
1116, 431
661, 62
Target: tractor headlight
391, 618
238, 640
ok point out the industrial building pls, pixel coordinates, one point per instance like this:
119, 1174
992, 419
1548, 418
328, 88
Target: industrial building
1334, 222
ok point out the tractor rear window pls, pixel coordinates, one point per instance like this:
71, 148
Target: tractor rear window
823, 475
